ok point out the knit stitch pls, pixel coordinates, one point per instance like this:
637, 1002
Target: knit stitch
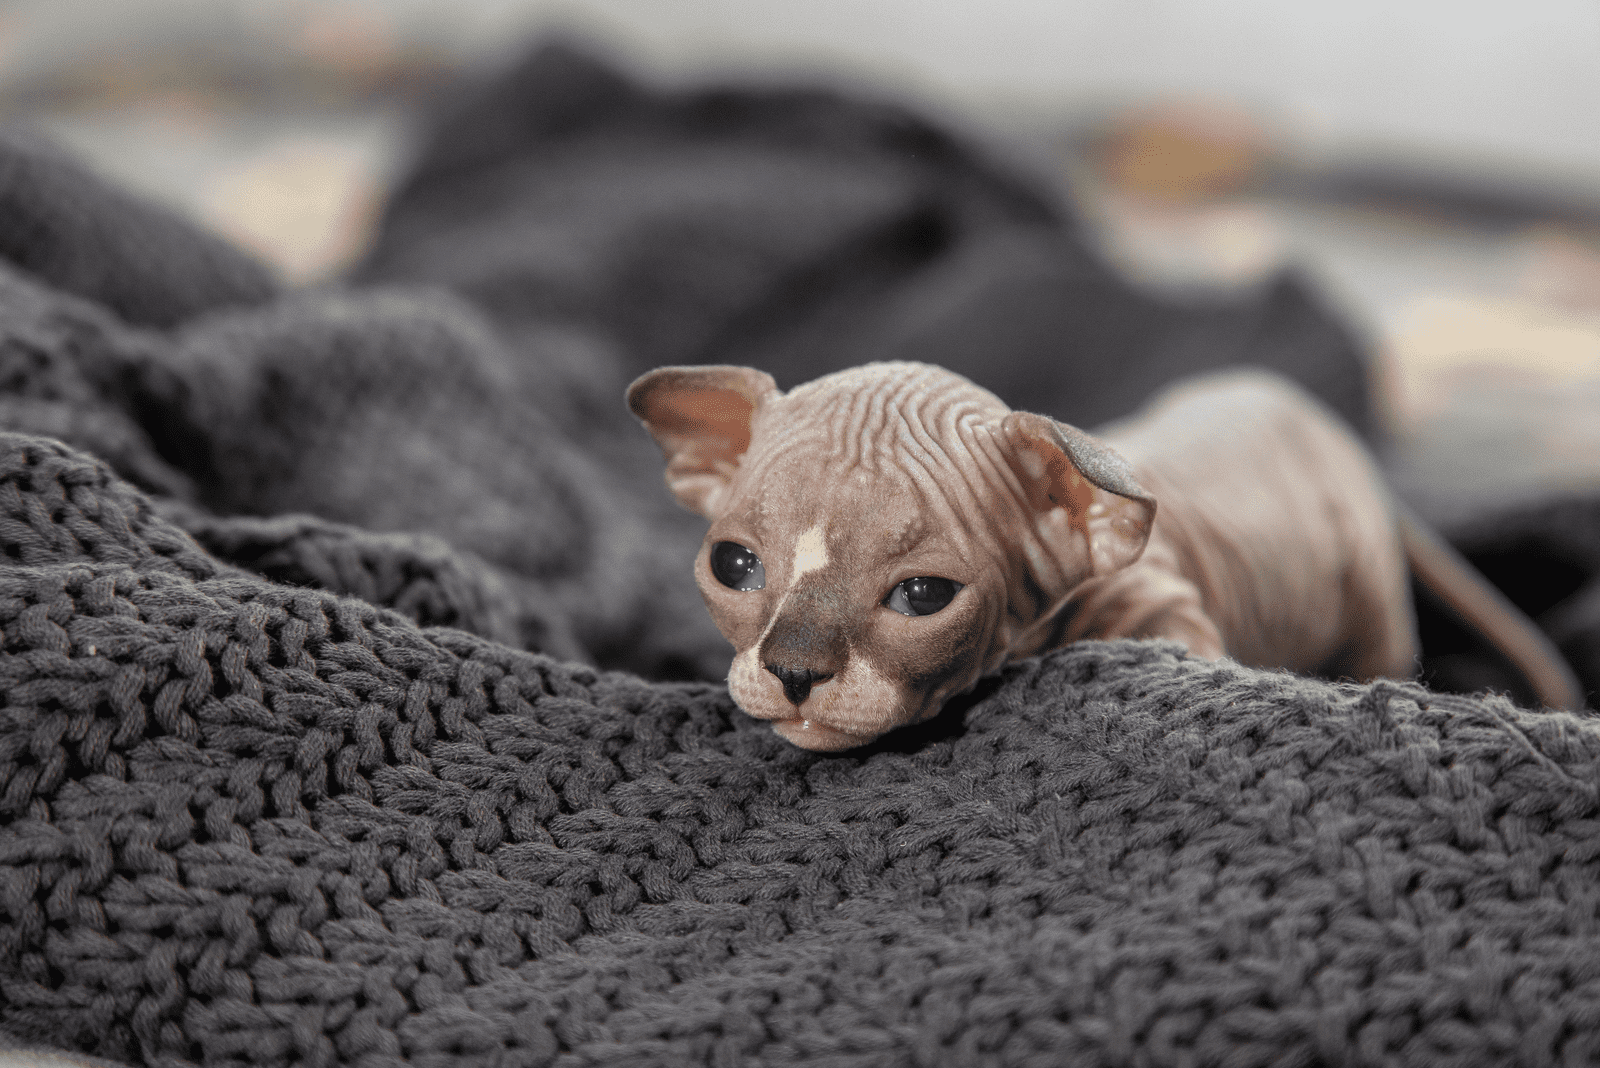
252, 824
307, 756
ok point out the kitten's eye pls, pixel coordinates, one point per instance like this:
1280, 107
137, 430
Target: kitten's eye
737, 567
922, 596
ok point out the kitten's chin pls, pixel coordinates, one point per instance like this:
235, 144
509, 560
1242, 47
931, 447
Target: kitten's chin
808, 734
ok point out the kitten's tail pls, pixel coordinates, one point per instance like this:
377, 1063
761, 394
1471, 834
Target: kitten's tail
1475, 602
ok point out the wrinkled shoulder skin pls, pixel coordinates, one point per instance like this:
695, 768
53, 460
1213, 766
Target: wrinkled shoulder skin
1277, 524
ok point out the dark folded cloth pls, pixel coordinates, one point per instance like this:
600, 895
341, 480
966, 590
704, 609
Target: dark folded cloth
803, 231
311, 746
247, 823
73, 230
393, 411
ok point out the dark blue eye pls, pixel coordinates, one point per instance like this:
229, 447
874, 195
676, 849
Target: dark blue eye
737, 567
922, 596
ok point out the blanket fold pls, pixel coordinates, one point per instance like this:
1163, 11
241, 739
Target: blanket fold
802, 231
254, 824
353, 699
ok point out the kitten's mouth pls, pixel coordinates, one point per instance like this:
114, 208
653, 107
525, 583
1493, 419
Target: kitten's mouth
809, 734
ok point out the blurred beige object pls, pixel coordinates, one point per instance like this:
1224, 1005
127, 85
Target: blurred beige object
1223, 245
1491, 448
305, 204
1563, 268
36, 1058
1445, 345
348, 35
1183, 150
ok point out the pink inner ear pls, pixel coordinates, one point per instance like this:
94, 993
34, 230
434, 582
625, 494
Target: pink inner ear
1048, 475
700, 416
712, 415
1061, 467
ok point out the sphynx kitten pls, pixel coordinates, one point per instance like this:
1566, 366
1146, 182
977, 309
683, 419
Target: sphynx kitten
883, 537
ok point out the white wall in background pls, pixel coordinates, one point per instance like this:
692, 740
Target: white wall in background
1509, 80
1503, 82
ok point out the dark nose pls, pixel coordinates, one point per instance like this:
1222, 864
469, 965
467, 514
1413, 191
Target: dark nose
797, 682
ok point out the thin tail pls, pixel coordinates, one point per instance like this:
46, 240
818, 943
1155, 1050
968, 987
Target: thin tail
1485, 610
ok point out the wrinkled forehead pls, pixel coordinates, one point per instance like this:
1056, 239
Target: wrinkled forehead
803, 487
897, 447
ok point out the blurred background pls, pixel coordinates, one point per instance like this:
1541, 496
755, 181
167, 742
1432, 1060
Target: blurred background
1433, 165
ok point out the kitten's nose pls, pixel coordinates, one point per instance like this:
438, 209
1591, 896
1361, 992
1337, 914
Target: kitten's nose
797, 682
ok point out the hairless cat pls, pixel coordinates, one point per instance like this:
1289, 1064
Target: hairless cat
883, 537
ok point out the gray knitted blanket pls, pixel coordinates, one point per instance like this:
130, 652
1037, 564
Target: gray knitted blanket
356, 705
255, 824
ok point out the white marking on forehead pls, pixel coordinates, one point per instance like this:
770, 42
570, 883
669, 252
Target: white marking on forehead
810, 553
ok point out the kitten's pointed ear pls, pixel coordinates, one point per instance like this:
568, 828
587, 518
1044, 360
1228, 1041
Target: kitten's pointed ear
700, 416
1075, 484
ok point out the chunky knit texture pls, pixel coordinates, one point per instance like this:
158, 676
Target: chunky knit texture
252, 824
310, 752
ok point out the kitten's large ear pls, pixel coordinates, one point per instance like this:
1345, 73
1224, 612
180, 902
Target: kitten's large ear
700, 416
1083, 496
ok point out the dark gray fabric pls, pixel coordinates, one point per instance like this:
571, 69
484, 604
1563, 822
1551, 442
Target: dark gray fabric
1546, 555
309, 749
252, 824
802, 231
134, 257
392, 410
